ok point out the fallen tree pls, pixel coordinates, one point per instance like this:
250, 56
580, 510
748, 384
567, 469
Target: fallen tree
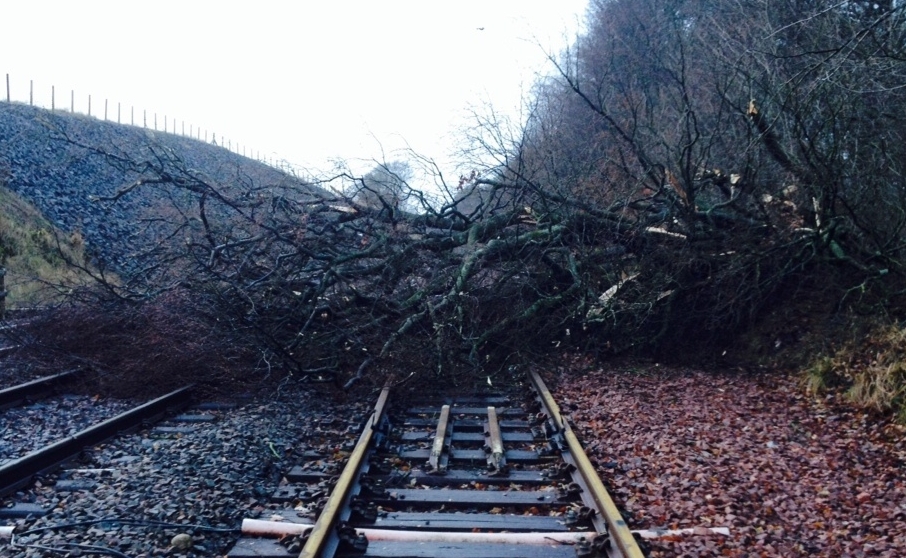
660, 209
319, 285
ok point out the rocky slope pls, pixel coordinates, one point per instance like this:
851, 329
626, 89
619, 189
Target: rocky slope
52, 159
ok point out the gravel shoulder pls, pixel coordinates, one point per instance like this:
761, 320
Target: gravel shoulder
790, 475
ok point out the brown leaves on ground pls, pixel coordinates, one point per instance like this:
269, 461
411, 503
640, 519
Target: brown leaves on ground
789, 475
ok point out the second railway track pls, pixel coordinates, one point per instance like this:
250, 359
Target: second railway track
17, 472
464, 477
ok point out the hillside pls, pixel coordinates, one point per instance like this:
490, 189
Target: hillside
64, 163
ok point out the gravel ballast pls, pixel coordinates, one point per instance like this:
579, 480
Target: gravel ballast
30, 427
197, 477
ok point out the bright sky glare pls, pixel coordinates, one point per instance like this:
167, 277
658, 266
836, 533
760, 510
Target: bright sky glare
308, 81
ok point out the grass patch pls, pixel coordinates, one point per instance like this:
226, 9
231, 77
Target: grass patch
872, 371
35, 254
821, 375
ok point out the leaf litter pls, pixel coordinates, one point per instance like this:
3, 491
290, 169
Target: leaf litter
790, 475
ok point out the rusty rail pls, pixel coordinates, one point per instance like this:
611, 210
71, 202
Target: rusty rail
35, 388
323, 531
621, 538
19, 472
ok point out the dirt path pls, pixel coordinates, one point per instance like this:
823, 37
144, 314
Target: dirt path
790, 476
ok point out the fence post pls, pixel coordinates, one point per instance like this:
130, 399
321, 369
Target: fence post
89, 105
155, 121
53, 97
72, 101
105, 109
2, 293
133, 115
31, 92
145, 113
7, 88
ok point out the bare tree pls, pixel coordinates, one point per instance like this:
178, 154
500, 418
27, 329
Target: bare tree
720, 150
384, 187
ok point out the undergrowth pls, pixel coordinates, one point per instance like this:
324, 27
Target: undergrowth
872, 371
128, 349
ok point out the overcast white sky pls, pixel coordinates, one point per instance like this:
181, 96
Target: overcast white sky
308, 81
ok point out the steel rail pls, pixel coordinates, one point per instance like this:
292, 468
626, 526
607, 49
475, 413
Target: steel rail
18, 472
15, 394
620, 535
327, 520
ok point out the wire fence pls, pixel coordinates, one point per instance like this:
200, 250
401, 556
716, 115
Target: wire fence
106, 111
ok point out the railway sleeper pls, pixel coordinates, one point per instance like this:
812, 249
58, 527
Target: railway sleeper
357, 541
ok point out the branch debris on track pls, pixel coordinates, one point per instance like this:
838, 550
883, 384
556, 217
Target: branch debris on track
789, 474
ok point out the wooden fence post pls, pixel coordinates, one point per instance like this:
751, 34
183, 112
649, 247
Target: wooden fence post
31, 92
72, 101
89, 105
2, 293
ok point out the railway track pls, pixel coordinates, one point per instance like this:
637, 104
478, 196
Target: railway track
18, 472
468, 477
7, 347
190, 477
34, 389
8, 327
